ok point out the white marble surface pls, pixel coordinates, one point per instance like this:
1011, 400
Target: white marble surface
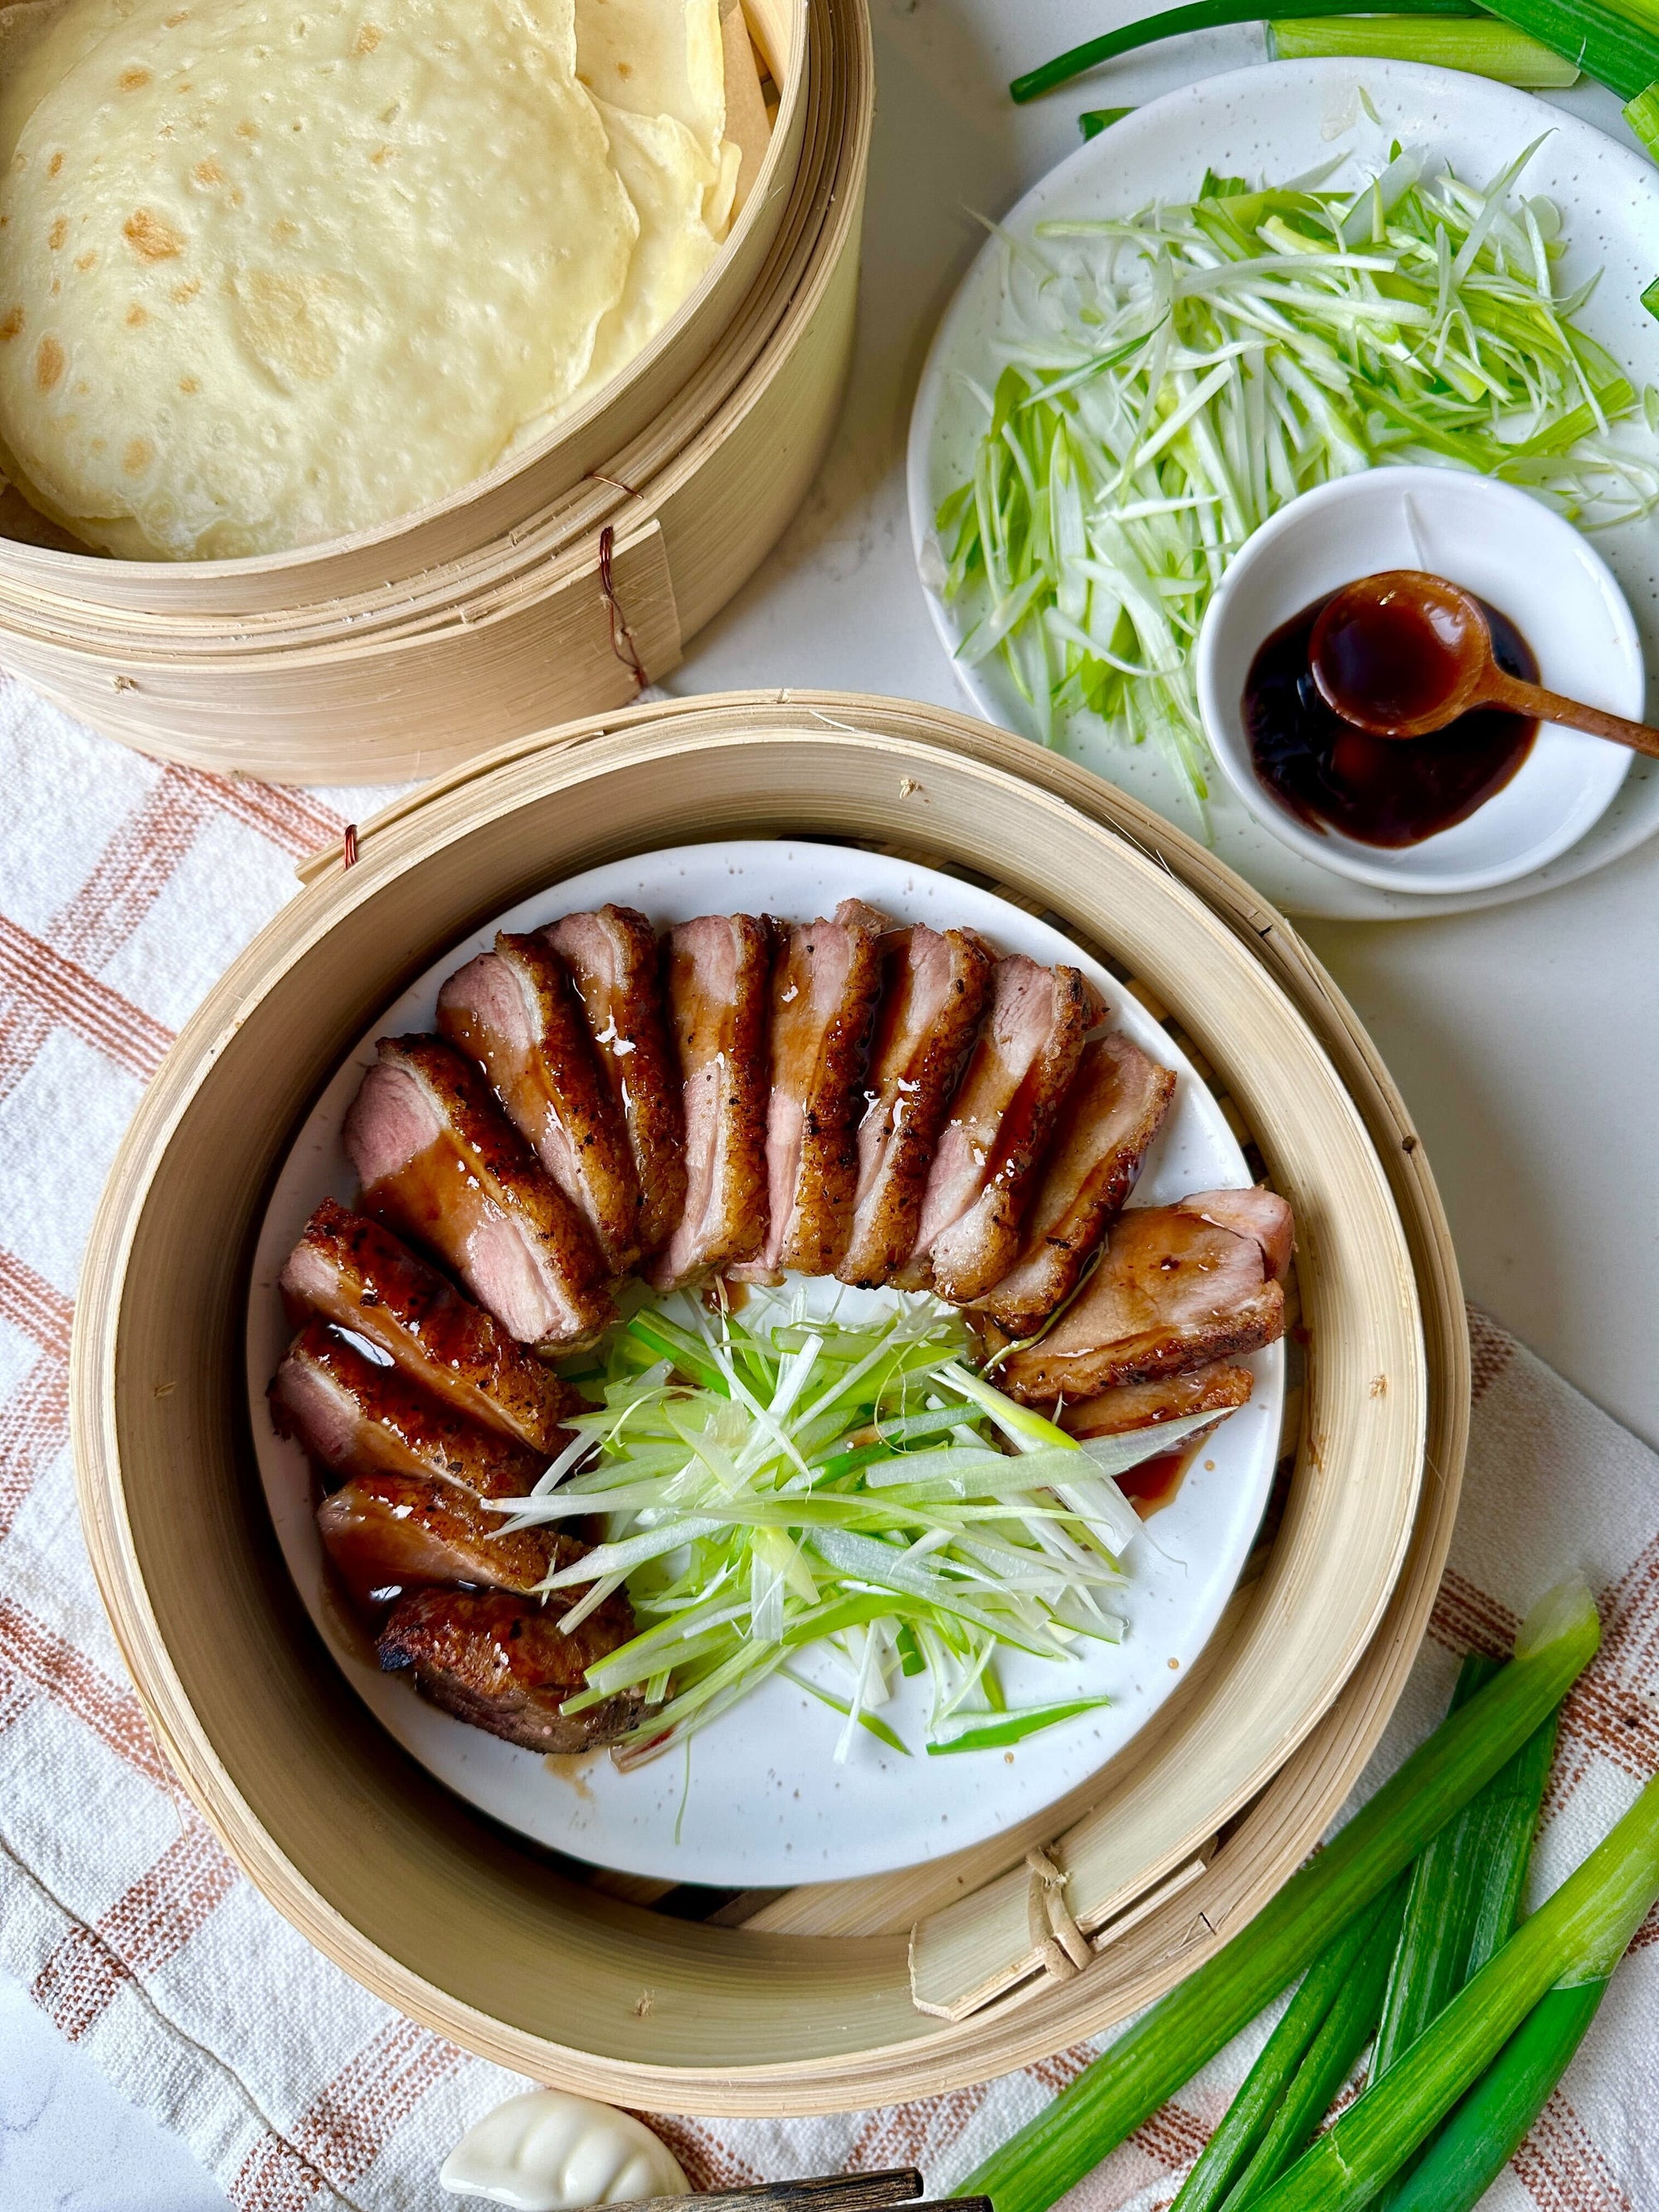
1526, 1039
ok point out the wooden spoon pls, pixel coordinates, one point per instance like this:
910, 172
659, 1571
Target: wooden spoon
1403, 653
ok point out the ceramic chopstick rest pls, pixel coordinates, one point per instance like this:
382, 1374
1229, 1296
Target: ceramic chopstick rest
547, 2151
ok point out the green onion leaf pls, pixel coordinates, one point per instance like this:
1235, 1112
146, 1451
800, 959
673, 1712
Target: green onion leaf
1012, 1728
1171, 2041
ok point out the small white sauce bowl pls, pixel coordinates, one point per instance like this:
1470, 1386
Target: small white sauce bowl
1510, 550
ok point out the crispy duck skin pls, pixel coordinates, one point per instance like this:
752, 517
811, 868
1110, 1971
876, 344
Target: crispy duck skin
386, 1534
1172, 1292
442, 1164
359, 1276
934, 989
1217, 1389
826, 979
357, 1413
613, 960
516, 1012
504, 1663
997, 1131
1114, 1109
719, 1001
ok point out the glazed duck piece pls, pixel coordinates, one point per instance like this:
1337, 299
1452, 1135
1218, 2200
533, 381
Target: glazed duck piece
613, 960
356, 1412
826, 979
998, 1128
516, 1012
1255, 1212
719, 972
934, 989
357, 1274
504, 1663
386, 1534
1173, 1291
1114, 1109
1217, 1389
440, 1163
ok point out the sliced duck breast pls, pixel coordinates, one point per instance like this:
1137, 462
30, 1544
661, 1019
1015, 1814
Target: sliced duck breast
999, 1125
504, 1663
358, 1275
516, 1012
1114, 1109
826, 979
934, 990
1255, 1212
613, 960
440, 1163
1217, 1389
718, 973
386, 1534
1173, 1291
349, 1404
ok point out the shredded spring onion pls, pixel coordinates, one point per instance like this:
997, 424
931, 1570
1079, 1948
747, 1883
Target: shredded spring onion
1168, 381
772, 1482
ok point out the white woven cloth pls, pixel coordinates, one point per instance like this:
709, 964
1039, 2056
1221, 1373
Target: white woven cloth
124, 888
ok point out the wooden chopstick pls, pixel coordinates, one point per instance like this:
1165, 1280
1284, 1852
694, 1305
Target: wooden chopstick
824, 2192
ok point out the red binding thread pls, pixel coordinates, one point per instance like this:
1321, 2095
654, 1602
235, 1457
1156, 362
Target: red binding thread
348, 846
622, 638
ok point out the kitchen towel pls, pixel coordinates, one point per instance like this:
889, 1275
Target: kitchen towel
126, 887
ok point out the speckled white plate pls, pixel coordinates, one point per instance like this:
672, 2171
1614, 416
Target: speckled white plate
1274, 123
760, 1802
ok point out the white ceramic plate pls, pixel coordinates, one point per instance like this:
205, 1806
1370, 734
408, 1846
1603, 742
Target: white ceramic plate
761, 1802
1274, 123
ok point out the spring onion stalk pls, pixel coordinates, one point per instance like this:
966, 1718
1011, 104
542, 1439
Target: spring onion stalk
1490, 2125
1168, 381
1094, 120
1203, 15
773, 1483
1642, 114
1465, 1888
1332, 2056
1606, 44
1481, 46
1576, 1937
1172, 2040
1250, 2114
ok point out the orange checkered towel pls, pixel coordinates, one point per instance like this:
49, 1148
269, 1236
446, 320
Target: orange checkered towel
125, 888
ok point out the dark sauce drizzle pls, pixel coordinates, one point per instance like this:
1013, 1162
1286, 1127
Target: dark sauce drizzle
1379, 791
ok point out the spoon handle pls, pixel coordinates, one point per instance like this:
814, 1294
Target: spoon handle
1550, 706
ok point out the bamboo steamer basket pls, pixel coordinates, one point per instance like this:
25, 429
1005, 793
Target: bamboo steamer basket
428, 1904
395, 657
499, 502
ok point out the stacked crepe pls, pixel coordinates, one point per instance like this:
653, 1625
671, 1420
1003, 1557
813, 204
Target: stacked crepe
272, 271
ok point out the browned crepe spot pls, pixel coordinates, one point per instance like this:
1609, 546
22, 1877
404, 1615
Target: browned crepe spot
247, 128
50, 363
85, 261
188, 384
54, 165
183, 294
58, 233
136, 317
137, 456
151, 239
10, 324
208, 172
368, 38
283, 231
133, 79
285, 321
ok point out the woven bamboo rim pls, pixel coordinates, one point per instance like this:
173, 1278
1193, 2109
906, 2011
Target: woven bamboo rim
408, 679
666, 2014
521, 487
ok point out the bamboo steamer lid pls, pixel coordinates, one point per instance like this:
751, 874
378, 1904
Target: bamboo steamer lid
426, 1902
499, 502
401, 672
